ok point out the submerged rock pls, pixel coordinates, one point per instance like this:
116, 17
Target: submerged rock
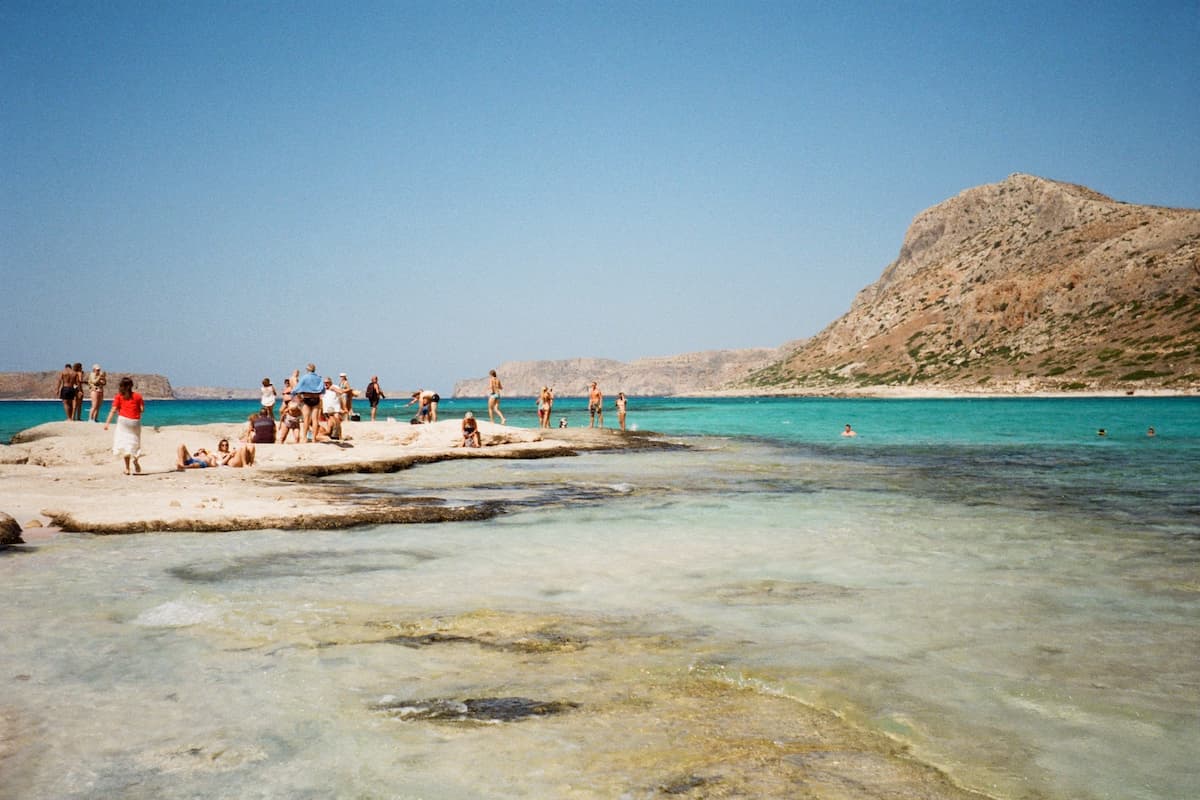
476, 709
10, 531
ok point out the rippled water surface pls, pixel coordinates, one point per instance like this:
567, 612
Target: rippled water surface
772, 611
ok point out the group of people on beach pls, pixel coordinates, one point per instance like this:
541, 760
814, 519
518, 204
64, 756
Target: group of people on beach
312, 409
70, 388
545, 407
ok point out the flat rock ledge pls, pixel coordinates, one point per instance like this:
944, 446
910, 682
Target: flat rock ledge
63, 477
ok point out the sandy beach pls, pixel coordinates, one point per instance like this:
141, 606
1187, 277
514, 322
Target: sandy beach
63, 476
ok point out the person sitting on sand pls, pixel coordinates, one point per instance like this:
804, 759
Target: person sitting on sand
470, 431
260, 428
242, 457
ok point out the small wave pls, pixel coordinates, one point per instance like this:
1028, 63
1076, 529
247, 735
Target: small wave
176, 614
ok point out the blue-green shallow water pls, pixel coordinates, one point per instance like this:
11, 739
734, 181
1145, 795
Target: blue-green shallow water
1044, 451
1013, 596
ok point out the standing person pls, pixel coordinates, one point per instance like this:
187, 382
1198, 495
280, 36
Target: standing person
347, 394
97, 380
595, 406
621, 409
331, 404
77, 414
374, 395
65, 389
494, 387
287, 394
128, 405
290, 417
434, 399
309, 387
543, 407
418, 397
268, 396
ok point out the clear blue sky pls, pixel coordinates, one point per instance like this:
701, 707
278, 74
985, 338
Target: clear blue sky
225, 191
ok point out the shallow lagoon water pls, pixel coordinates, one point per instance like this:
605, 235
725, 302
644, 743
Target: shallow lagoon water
736, 615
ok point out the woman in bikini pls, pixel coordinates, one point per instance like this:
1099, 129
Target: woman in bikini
494, 387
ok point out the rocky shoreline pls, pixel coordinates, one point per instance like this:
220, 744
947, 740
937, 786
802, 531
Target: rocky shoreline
62, 476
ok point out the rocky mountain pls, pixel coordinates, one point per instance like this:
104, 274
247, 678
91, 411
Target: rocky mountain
1027, 284
683, 374
40, 385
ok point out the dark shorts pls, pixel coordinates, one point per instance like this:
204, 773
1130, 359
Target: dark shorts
310, 399
66, 393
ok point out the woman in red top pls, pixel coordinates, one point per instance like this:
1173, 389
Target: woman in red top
127, 441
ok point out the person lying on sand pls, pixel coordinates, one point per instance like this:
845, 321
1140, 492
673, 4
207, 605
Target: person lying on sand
243, 456
200, 459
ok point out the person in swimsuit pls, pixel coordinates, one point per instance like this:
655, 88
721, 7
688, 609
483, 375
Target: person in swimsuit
65, 389
242, 457
470, 431
290, 418
77, 409
621, 409
347, 395
201, 459
494, 387
543, 407
309, 387
97, 380
595, 406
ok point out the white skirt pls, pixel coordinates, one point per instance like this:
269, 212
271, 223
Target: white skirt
127, 441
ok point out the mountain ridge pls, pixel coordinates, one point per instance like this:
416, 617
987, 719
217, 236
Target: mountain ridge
1025, 285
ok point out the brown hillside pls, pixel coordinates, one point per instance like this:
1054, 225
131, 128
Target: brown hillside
1021, 285
40, 385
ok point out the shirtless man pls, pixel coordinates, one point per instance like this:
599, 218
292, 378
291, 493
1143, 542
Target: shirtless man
67, 388
595, 406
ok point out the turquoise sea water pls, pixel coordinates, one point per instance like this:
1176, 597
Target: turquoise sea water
989, 582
